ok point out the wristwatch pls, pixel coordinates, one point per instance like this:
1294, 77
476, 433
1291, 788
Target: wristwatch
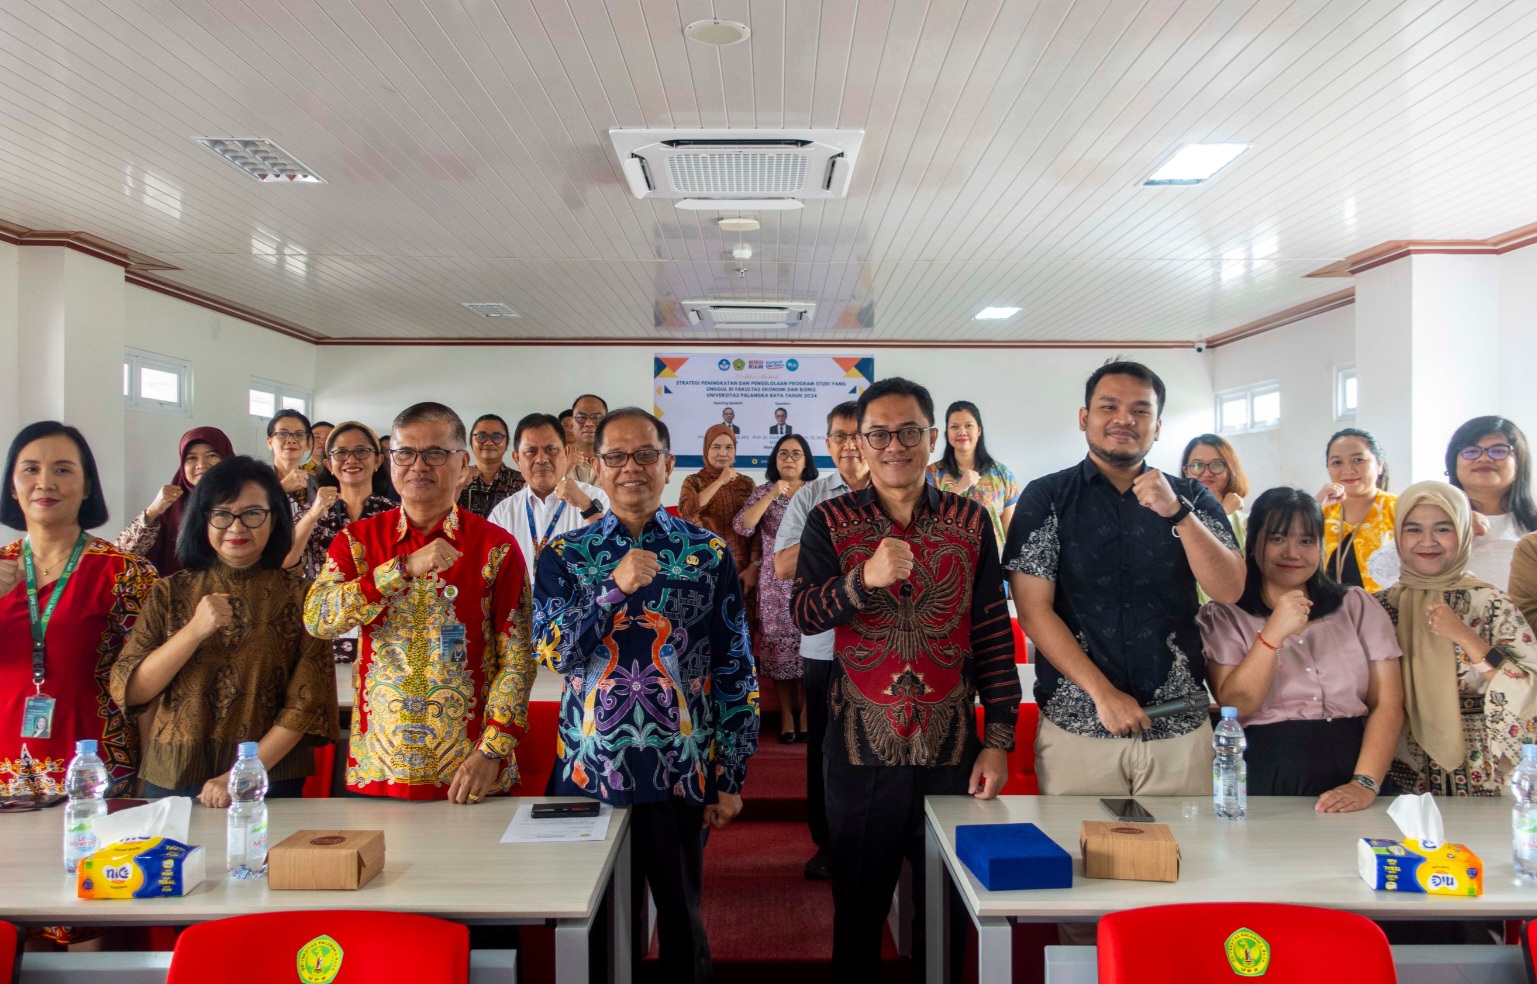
1367, 782
1186, 507
592, 510
490, 755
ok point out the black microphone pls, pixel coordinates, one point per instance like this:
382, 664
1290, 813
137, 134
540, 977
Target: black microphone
1197, 701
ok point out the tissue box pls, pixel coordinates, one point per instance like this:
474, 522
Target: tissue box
141, 868
1130, 851
320, 859
1007, 857
1412, 866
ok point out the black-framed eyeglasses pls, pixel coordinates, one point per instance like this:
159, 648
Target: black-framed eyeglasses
290, 435
1496, 452
1215, 466
908, 436
645, 456
587, 418
339, 455
406, 457
223, 519
481, 437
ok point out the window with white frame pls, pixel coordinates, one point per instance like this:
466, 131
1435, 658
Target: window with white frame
267, 397
157, 383
1345, 392
1248, 408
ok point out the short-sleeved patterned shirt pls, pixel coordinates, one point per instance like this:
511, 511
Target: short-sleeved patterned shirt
1123, 587
996, 488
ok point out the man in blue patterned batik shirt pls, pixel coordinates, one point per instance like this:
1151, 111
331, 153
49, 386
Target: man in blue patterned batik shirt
643, 614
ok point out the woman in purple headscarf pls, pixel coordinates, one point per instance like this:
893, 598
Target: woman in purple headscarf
153, 532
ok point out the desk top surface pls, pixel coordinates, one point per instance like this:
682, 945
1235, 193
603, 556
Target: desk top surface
1283, 852
440, 860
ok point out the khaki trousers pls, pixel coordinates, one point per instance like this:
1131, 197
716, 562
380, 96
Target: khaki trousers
1072, 765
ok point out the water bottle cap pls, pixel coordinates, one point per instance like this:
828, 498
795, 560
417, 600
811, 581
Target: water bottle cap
1229, 712
1529, 753
246, 750
85, 746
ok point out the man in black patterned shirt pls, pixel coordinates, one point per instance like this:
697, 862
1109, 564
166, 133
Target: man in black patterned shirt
1105, 557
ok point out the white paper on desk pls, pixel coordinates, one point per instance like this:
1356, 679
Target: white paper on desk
169, 818
524, 829
1418, 819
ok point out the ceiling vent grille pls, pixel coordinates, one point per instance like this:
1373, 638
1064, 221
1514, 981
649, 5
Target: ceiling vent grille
261, 159
748, 314
494, 309
737, 164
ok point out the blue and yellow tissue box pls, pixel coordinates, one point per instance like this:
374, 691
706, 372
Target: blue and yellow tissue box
143, 868
1412, 866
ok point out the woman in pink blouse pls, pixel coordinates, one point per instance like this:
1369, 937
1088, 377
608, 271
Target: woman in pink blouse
1311, 665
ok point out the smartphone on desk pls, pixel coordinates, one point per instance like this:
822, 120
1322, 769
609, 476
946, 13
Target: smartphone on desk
551, 811
1127, 810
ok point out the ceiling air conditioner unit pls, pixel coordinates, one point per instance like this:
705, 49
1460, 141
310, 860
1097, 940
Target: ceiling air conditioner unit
748, 315
741, 166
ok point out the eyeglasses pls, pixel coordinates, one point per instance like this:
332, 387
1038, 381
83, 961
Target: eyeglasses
406, 457
843, 437
1496, 452
790, 455
1214, 466
645, 456
587, 418
532, 451
223, 519
291, 435
339, 455
480, 437
909, 436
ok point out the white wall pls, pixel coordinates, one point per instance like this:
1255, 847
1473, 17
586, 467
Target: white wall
1029, 398
10, 339
225, 353
1302, 357
1518, 339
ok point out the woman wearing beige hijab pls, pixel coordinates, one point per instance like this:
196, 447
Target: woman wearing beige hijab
1470, 698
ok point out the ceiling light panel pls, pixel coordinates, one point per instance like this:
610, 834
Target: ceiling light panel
261, 159
494, 309
996, 313
1194, 163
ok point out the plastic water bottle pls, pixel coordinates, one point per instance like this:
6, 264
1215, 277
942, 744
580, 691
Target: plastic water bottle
86, 785
1523, 816
1229, 776
246, 826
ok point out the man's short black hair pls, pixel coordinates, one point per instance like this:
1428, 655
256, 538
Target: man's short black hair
782, 410
566, 415
272, 425
632, 413
1123, 368
488, 416
534, 421
895, 386
589, 396
93, 509
432, 413
321, 423
848, 409
222, 484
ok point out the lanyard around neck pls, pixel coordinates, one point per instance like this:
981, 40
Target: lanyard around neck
40, 621
541, 542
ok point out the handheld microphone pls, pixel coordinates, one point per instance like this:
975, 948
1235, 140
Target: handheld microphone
1197, 701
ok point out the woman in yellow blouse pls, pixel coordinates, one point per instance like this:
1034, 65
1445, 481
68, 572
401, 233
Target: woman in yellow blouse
1358, 512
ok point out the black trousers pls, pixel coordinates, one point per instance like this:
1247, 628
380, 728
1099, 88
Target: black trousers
817, 676
1302, 758
667, 853
875, 822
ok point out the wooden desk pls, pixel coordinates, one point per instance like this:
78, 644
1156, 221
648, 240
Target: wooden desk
1283, 852
442, 860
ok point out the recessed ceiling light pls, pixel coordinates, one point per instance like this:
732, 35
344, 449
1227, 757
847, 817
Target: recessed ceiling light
1194, 163
717, 32
996, 313
494, 309
261, 159
738, 225
738, 204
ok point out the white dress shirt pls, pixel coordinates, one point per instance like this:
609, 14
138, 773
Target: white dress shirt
511, 514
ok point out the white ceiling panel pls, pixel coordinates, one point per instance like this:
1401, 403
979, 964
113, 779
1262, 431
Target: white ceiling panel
464, 145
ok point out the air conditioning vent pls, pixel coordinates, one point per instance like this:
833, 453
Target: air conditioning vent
737, 164
490, 309
748, 314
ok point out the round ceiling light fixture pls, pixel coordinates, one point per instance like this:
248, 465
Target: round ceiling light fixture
717, 32
743, 224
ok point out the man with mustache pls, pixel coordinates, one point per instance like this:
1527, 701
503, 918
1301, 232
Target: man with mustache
1105, 557
553, 502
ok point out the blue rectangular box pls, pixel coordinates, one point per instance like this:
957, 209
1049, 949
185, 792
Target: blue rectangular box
1007, 857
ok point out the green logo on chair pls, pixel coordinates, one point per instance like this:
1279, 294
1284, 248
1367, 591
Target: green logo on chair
1247, 953
320, 960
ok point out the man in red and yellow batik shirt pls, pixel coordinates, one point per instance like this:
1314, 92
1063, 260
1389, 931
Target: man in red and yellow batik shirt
444, 665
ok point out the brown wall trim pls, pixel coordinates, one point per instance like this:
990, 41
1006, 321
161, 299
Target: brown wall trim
741, 342
82, 242
1387, 252
218, 304
1321, 305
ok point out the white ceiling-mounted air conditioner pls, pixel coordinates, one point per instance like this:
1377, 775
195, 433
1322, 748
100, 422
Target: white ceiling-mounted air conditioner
738, 165
748, 315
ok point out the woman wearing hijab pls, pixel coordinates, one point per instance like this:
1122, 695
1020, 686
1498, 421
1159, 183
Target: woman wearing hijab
153, 532
712, 496
1470, 699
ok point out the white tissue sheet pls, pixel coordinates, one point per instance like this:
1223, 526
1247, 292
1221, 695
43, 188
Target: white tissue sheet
169, 818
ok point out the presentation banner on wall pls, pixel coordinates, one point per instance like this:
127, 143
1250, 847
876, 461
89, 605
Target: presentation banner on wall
760, 395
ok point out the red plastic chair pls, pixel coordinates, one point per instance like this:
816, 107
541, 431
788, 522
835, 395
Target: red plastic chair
1021, 648
10, 953
536, 752
1291, 944
1525, 934
375, 947
1022, 778
318, 786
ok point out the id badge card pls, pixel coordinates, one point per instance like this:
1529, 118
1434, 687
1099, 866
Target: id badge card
451, 640
37, 717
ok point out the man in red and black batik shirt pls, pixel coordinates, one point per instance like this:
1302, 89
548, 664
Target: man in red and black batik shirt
908, 579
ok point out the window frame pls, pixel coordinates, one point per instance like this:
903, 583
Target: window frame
1248, 394
279, 391
1344, 373
135, 360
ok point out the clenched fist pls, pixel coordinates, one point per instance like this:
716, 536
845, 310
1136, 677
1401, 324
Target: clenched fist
1289, 617
434, 558
636, 570
10, 576
213, 613
325, 498
296, 481
1330, 494
163, 499
1153, 490
891, 562
569, 492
